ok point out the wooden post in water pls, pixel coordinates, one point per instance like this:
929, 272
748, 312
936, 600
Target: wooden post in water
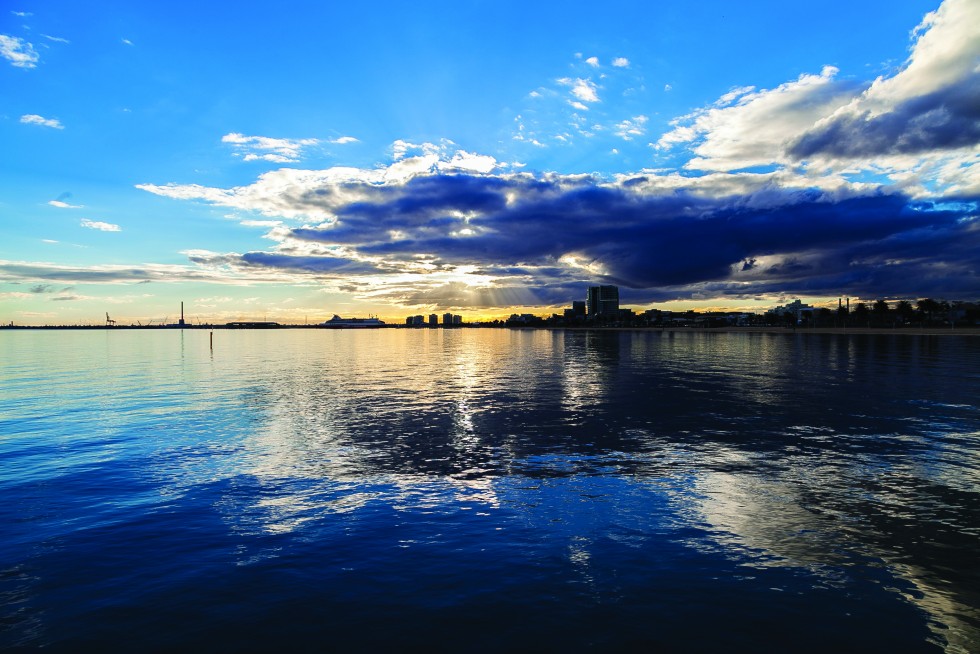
212, 341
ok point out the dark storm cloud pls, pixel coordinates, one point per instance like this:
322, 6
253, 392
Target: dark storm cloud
946, 119
680, 241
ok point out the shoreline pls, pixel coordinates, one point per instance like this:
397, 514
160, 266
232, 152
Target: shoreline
844, 331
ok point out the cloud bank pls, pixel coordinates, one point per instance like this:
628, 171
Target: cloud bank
421, 238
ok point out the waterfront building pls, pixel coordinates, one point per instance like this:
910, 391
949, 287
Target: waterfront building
603, 301
796, 307
433, 320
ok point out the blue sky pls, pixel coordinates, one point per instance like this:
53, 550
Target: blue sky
290, 162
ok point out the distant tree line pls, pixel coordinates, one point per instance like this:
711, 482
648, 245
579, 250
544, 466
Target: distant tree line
924, 313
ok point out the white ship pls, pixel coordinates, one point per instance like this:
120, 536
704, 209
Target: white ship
337, 321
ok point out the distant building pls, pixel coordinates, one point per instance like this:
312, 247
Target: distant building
603, 301
415, 321
578, 308
433, 320
523, 320
451, 320
796, 307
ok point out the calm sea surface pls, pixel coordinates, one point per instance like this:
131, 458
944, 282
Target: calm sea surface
489, 490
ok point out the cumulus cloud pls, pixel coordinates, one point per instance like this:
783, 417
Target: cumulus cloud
18, 52
593, 61
264, 148
621, 62
100, 226
918, 128
34, 119
932, 103
344, 140
748, 128
64, 205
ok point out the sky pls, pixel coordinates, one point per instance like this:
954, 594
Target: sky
296, 160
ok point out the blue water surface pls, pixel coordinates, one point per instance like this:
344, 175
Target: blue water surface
481, 490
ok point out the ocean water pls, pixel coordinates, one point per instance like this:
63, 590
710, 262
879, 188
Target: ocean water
488, 490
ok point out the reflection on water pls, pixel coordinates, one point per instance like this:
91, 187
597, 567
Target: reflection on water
634, 484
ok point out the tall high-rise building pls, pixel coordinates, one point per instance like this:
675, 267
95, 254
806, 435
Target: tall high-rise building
603, 301
433, 320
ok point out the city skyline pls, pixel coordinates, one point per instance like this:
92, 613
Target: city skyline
483, 159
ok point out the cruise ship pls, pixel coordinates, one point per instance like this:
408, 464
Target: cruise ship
337, 321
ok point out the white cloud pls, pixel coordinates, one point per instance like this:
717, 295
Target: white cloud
401, 149
56, 39
286, 192
20, 53
344, 140
101, 226
621, 62
274, 158
583, 89
22, 14
578, 105
593, 61
473, 162
127, 42
916, 129
745, 128
631, 127
63, 205
34, 119
931, 103
261, 223
668, 88
947, 49
264, 148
